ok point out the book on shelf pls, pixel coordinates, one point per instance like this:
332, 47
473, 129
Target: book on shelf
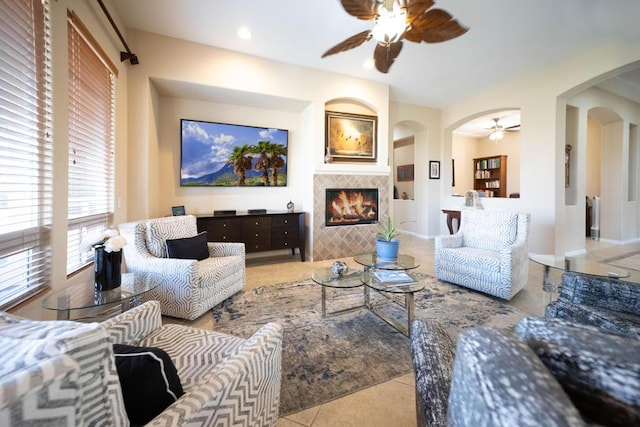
392, 277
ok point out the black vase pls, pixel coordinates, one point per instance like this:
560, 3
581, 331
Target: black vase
107, 269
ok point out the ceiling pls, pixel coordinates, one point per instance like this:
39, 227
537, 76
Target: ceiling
506, 39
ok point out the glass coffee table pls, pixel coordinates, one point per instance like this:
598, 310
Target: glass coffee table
575, 265
404, 262
352, 279
83, 296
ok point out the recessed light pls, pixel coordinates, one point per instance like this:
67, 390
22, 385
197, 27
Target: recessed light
244, 33
368, 64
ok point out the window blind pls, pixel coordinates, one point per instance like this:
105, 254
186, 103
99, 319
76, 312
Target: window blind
26, 153
91, 140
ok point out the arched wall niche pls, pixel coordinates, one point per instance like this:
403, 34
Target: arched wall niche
604, 168
409, 137
350, 105
601, 125
470, 140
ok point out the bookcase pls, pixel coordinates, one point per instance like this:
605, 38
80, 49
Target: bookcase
490, 175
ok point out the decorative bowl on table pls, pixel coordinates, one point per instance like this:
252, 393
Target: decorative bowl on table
339, 268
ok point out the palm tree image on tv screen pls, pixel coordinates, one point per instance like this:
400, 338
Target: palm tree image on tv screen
227, 155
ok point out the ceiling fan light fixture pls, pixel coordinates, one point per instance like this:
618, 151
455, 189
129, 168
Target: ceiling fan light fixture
496, 131
496, 135
390, 24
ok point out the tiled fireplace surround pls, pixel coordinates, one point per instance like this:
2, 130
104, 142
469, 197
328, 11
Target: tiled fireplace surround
345, 241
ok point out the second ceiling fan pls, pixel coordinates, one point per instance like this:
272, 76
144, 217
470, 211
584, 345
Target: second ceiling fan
395, 20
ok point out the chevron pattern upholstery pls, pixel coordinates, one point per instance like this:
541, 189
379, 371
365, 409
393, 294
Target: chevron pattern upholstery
489, 253
188, 288
228, 381
89, 354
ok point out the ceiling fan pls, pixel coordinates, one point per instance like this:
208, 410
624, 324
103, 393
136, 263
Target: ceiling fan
395, 20
497, 131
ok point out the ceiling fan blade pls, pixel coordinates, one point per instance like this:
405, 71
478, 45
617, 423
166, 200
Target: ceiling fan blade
361, 9
350, 43
514, 128
435, 26
418, 7
385, 56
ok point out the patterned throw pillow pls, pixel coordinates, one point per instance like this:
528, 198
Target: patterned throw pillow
189, 247
149, 381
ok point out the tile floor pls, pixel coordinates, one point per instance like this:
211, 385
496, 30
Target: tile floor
391, 404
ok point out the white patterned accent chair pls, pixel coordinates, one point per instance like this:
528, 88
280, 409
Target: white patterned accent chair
489, 253
63, 372
189, 287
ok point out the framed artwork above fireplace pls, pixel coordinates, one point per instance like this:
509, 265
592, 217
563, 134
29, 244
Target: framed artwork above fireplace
351, 136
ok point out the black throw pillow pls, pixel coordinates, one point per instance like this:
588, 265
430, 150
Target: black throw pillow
149, 381
189, 247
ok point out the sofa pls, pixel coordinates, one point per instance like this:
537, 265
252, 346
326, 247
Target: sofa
193, 278
546, 372
489, 252
611, 304
69, 373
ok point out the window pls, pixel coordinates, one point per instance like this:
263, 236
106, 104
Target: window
91, 140
26, 167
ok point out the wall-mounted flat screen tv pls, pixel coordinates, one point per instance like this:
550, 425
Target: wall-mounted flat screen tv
228, 155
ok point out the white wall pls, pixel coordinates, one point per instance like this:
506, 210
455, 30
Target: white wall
465, 149
204, 200
542, 100
606, 119
425, 124
236, 88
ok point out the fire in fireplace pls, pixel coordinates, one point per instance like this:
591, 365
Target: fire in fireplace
349, 206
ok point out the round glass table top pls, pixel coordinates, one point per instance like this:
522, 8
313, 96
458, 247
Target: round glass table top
579, 265
404, 262
83, 295
397, 288
325, 277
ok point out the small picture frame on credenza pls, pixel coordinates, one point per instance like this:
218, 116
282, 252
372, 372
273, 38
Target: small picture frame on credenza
177, 210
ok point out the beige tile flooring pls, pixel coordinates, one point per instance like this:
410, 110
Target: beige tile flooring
392, 403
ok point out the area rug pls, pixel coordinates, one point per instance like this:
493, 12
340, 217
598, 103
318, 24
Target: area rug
327, 358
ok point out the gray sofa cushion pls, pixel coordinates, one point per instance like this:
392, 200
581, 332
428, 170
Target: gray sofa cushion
433, 353
499, 381
607, 320
610, 294
599, 371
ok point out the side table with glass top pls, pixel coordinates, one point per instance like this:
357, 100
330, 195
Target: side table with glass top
82, 296
327, 279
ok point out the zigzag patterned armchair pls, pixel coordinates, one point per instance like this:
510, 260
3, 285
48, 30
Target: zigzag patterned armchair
489, 253
64, 372
189, 287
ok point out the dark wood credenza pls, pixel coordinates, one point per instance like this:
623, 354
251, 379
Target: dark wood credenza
259, 232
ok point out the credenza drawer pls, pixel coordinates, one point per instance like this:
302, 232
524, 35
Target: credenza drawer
262, 232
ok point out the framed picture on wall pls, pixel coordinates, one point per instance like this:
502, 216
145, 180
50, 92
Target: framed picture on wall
351, 136
405, 173
434, 169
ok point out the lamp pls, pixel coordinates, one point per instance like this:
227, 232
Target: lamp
391, 23
496, 131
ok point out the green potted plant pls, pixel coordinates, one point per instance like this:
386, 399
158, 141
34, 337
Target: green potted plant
387, 245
